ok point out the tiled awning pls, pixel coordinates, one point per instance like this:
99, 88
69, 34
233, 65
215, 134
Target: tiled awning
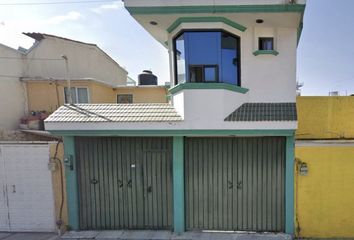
251, 112
146, 112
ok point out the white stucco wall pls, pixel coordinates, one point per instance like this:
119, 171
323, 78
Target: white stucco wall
85, 61
269, 78
178, 102
12, 92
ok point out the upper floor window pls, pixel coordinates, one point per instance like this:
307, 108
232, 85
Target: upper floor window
125, 98
78, 95
207, 56
266, 43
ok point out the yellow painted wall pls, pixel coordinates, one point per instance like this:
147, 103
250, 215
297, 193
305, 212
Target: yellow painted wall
145, 94
49, 95
325, 197
56, 178
42, 95
325, 117
101, 94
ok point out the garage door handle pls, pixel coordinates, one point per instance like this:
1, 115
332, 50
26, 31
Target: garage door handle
120, 183
239, 185
129, 183
94, 181
230, 184
149, 189
13, 188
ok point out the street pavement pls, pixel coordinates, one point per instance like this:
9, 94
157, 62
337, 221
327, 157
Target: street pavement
28, 236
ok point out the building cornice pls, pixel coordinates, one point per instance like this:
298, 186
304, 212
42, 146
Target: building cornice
181, 20
224, 86
266, 8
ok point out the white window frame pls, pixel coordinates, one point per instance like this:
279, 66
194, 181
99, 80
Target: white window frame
76, 93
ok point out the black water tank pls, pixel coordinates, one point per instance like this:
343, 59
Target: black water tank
147, 78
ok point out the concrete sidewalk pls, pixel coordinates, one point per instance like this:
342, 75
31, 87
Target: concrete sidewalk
28, 236
143, 235
166, 235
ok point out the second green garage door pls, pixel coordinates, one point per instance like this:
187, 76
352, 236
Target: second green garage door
235, 183
124, 183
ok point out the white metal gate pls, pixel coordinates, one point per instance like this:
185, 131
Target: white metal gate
26, 193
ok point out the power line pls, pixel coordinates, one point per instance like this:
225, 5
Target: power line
53, 3
39, 59
9, 76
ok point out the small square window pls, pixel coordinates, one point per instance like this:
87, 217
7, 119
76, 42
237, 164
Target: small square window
196, 74
203, 73
266, 44
124, 98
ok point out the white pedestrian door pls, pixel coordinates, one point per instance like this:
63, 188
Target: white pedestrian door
26, 201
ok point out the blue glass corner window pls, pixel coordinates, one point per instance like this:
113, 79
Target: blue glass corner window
207, 56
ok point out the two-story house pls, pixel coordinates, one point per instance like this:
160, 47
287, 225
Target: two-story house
36, 79
221, 155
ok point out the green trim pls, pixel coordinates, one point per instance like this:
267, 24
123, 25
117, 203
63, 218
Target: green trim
181, 20
301, 26
266, 8
178, 185
266, 52
152, 133
226, 86
71, 183
289, 185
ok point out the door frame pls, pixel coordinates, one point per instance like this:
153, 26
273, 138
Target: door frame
178, 178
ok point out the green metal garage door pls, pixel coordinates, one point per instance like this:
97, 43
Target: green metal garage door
124, 183
235, 183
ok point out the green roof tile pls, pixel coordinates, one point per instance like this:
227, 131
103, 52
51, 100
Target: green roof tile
252, 112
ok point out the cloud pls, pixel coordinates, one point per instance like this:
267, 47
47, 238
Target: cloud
11, 32
107, 7
70, 16
11, 29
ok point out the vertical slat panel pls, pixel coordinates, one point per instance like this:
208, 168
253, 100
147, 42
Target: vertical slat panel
114, 185
122, 183
235, 183
238, 171
168, 160
79, 164
90, 154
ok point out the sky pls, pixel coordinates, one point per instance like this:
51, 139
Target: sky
325, 53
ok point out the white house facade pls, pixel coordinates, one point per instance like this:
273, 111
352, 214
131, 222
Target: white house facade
220, 156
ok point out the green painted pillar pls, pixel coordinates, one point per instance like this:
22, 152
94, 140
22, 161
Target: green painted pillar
289, 185
71, 183
178, 185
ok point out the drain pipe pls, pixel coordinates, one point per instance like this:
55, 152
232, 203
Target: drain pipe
57, 160
298, 163
69, 95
